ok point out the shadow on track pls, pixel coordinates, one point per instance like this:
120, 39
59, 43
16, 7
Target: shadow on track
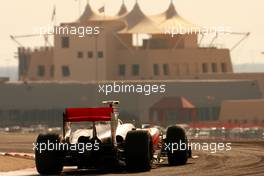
119, 171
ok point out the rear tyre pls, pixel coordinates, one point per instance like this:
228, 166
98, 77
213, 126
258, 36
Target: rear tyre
177, 140
138, 151
48, 162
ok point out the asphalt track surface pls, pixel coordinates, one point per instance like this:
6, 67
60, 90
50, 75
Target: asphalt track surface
245, 158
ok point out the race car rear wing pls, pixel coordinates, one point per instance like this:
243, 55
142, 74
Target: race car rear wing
88, 114
109, 113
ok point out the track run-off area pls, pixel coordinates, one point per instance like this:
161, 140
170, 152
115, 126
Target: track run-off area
245, 158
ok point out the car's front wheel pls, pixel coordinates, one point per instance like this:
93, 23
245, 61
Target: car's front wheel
177, 140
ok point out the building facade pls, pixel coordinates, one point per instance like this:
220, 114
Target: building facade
45, 102
131, 48
118, 50
243, 111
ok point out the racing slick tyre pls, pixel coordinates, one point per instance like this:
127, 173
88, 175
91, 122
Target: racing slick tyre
138, 151
48, 162
177, 140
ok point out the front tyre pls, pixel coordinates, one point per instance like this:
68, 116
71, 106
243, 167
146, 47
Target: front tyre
177, 140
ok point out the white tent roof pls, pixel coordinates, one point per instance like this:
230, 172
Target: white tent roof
138, 22
171, 18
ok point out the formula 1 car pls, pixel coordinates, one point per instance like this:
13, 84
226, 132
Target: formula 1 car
97, 138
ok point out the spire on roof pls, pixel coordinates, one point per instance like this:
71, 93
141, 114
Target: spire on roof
171, 18
134, 16
123, 9
89, 14
171, 11
137, 22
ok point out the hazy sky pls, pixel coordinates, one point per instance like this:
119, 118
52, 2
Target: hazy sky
21, 17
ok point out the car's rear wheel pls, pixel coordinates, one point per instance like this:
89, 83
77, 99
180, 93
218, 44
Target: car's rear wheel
138, 151
48, 161
177, 140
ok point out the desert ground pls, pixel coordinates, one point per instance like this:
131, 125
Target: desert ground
245, 158
9, 163
18, 143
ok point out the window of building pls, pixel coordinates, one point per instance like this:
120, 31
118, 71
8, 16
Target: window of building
255, 121
214, 67
90, 54
185, 69
122, 70
65, 71
80, 54
100, 54
155, 69
166, 69
223, 67
65, 42
176, 69
196, 65
135, 69
52, 70
205, 68
41, 70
